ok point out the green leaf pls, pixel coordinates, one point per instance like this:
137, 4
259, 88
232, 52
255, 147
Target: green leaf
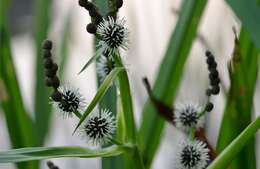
238, 111
20, 125
100, 93
249, 13
126, 101
229, 153
169, 76
127, 119
42, 108
92, 59
40, 153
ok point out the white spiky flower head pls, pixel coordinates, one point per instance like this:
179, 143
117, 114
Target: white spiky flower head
104, 66
99, 127
72, 101
187, 116
113, 35
192, 155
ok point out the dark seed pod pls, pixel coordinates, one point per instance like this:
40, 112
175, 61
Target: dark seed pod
212, 66
209, 106
47, 44
91, 28
82, 3
88, 6
49, 73
210, 60
215, 90
119, 3
208, 53
46, 53
48, 63
93, 12
54, 68
215, 82
50, 164
208, 92
56, 96
214, 73
48, 82
55, 82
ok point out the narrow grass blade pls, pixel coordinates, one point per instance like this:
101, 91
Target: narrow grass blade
238, 111
91, 60
249, 13
100, 93
42, 108
232, 150
40, 153
20, 125
169, 76
126, 100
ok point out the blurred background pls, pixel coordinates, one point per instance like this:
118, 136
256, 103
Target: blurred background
151, 23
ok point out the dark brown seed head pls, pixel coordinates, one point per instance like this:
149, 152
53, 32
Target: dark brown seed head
215, 90
50, 164
56, 96
119, 3
46, 53
91, 28
208, 53
48, 63
88, 6
208, 92
83, 3
210, 60
55, 82
214, 73
209, 106
48, 82
215, 81
93, 12
47, 44
49, 73
54, 68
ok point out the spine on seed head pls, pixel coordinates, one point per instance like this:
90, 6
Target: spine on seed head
50, 70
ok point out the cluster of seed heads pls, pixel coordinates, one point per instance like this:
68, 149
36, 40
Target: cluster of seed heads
51, 165
95, 14
213, 75
214, 79
50, 70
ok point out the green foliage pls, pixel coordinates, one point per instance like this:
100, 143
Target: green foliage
20, 125
249, 14
100, 93
169, 76
42, 107
40, 153
232, 150
238, 111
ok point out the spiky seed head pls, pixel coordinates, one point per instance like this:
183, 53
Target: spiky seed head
113, 34
99, 127
186, 116
192, 155
72, 101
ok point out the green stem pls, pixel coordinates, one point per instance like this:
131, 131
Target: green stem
126, 100
78, 114
224, 159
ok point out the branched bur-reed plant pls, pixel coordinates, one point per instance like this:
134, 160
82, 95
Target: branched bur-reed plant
115, 133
